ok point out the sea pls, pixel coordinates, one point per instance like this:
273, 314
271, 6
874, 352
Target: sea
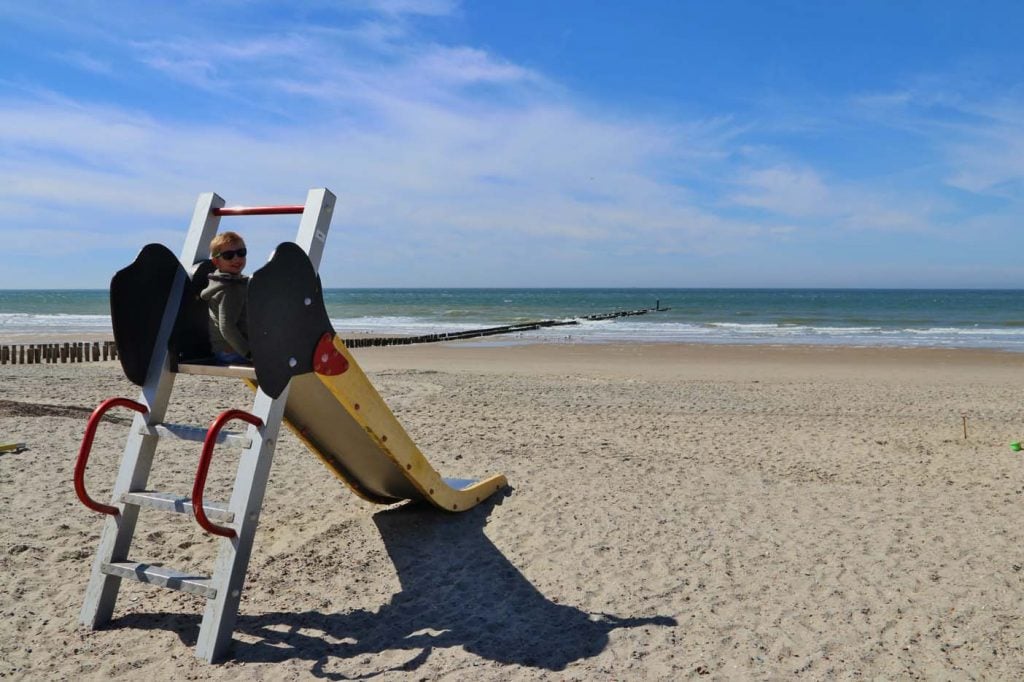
906, 318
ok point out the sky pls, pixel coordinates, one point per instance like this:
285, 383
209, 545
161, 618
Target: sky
524, 143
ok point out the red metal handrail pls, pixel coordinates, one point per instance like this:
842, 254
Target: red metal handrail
83, 452
258, 210
204, 469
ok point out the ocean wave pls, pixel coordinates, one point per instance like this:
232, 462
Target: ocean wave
650, 329
28, 323
768, 333
400, 325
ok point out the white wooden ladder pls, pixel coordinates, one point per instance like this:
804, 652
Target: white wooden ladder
222, 589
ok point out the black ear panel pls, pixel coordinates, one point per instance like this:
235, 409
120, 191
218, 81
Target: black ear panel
139, 294
287, 318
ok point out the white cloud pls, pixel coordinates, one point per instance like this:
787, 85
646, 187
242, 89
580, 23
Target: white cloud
88, 62
463, 65
446, 146
823, 205
549, 173
979, 138
788, 191
435, 8
989, 161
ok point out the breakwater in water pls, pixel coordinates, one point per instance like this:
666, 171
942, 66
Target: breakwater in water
94, 351
492, 331
906, 318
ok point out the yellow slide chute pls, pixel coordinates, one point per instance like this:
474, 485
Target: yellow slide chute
346, 423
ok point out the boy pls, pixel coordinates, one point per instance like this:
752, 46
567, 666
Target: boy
226, 296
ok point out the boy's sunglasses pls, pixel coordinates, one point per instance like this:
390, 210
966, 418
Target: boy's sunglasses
230, 255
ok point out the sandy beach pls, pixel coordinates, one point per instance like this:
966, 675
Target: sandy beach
675, 512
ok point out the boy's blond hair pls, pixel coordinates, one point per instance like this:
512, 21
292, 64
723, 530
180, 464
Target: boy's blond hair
218, 243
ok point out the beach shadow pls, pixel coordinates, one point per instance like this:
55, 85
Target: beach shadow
457, 590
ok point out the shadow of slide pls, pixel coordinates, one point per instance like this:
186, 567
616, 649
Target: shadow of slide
457, 590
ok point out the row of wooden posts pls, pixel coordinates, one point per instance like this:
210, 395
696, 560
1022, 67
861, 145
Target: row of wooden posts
86, 351
69, 351
491, 331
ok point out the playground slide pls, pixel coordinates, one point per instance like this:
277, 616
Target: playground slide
331, 405
161, 327
346, 423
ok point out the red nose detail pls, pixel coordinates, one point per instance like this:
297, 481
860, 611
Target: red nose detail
326, 358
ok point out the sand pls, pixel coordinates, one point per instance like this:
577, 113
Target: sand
676, 512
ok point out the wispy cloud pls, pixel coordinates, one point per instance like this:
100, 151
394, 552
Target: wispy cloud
88, 62
803, 194
979, 138
439, 148
463, 65
788, 191
434, 8
989, 160
414, 150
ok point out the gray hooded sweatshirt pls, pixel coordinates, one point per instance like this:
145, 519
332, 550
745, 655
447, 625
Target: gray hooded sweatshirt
226, 296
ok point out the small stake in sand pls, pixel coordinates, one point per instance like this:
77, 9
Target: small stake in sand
12, 447
965, 427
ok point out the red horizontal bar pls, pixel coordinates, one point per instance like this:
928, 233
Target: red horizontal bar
257, 210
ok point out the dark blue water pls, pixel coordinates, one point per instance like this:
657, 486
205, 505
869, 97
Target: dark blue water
939, 318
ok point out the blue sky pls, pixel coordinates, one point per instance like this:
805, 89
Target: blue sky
523, 143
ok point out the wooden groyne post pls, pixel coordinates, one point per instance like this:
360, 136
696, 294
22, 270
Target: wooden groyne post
491, 331
51, 353
94, 351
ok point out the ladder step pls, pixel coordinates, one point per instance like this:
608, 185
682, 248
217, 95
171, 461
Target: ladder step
162, 576
234, 371
194, 433
216, 511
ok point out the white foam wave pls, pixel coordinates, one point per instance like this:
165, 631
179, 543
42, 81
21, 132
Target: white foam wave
398, 325
626, 329
29, 323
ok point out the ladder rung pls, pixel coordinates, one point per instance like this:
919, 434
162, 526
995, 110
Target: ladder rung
194, 433
162, 576
216, 511
236, 371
